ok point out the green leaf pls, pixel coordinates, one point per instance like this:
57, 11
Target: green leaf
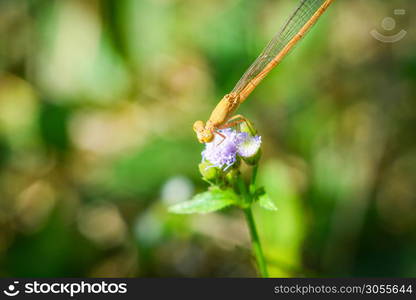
266, 202
264, 199
212, 200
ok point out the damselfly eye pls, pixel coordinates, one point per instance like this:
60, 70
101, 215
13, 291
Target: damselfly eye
208, 137
198, 126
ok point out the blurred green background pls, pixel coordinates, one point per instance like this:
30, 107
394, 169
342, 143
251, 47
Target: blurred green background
97, 101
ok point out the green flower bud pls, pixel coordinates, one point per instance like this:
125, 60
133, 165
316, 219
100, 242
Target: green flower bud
248, 127
232, 175
208, 171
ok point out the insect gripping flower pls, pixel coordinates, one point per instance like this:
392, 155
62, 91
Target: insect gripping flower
224, 152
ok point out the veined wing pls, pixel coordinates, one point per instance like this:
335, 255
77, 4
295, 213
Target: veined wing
302, 14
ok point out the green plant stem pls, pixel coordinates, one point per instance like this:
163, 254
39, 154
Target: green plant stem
255, 241
254, 174
243, 190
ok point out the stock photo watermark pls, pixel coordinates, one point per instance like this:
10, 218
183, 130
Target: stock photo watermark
65, 288
12, 289
389, 24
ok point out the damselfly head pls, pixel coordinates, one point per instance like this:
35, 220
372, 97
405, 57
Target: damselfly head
204, 135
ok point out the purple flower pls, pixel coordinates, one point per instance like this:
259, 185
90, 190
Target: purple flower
222, 153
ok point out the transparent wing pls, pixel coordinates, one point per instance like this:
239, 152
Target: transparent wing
291, 27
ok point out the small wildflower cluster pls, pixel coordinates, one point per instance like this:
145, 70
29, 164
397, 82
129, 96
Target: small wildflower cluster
220, 167
224, 151
221, 158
